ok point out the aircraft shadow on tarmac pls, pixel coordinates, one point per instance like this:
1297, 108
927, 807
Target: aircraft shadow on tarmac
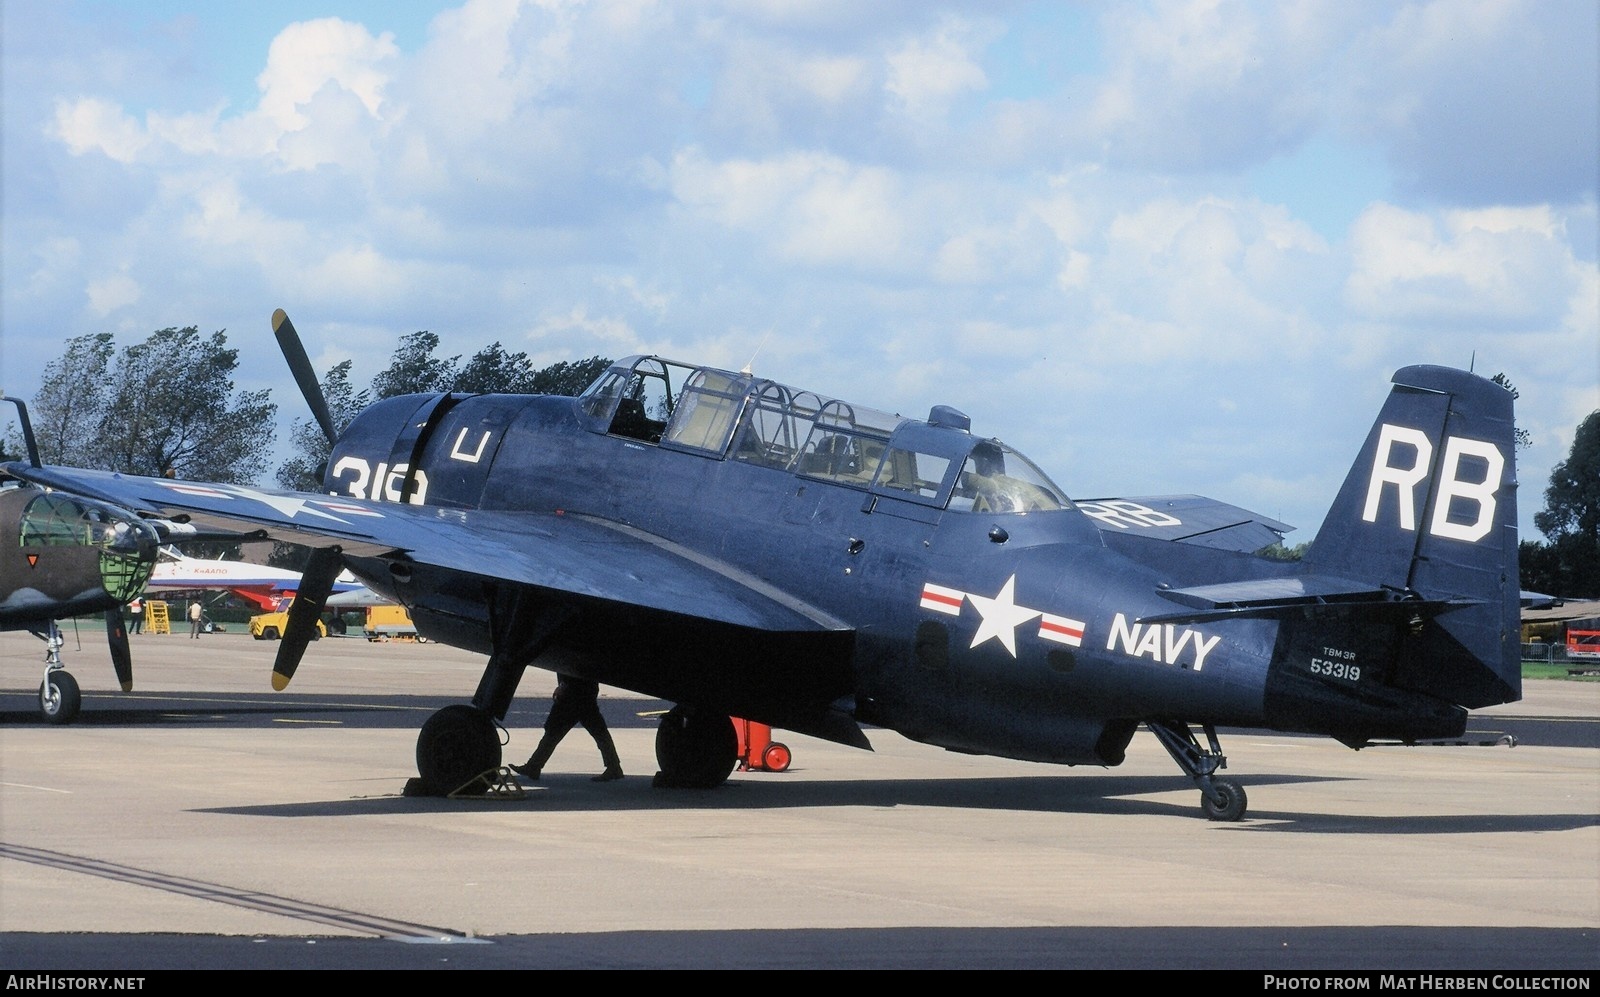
372, 712
240, 710
1088, 795
229, 711
1066, 793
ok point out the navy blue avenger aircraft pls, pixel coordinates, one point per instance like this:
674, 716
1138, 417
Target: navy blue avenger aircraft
742, 548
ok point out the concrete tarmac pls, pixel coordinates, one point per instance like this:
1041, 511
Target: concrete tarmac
162, 832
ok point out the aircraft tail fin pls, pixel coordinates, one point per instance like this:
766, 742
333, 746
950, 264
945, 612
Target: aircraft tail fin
1428, 514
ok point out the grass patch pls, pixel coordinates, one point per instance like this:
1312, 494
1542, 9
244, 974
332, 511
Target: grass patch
1556, 670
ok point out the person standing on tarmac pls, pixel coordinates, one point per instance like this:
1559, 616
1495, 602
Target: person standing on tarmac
194, 619
576, 701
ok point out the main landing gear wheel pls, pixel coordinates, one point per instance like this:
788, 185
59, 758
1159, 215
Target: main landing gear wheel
59, 698
1225, 801
695, 750
456, 746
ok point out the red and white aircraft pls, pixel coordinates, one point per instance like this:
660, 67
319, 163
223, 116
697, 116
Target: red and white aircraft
258, 583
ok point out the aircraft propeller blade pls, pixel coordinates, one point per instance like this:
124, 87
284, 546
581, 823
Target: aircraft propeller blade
304, 376
316, 584
121, 657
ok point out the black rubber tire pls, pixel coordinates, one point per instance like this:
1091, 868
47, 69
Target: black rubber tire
455, 747
1225, 802
269, 633
59, 698
695, 750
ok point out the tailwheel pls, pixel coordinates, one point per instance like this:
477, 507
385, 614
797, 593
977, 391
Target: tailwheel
695, 750
59, 697
1221, 799
1224, 801
455, 748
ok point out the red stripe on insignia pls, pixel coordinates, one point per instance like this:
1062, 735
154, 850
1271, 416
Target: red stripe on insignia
942, 600
1061, 629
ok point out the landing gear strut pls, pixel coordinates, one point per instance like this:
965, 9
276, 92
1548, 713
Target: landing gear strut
696, 750
1221, 799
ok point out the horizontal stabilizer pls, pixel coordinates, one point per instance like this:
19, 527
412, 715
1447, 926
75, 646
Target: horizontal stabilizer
1299, 596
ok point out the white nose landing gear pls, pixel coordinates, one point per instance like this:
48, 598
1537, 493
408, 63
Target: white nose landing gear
59, 696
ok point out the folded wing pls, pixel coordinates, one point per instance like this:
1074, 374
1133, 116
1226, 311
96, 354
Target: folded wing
1190, 519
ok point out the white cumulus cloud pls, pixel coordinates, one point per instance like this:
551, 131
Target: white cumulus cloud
93, 124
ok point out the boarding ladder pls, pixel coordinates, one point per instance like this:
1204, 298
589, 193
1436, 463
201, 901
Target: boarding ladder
156, 621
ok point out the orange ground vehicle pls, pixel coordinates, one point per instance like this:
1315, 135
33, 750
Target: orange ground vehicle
757, 749
1583, 644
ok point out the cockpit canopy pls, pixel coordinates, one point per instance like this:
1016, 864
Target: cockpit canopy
126, 545
752, 420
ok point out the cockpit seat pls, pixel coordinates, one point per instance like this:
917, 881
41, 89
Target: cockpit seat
632, 422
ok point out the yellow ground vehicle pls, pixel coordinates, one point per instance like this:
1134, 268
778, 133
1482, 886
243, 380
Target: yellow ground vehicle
270, 626
390, 622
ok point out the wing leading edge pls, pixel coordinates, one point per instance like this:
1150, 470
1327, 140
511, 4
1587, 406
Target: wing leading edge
571, 554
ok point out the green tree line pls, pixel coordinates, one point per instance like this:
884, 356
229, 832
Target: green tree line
1568, 563
166, 405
